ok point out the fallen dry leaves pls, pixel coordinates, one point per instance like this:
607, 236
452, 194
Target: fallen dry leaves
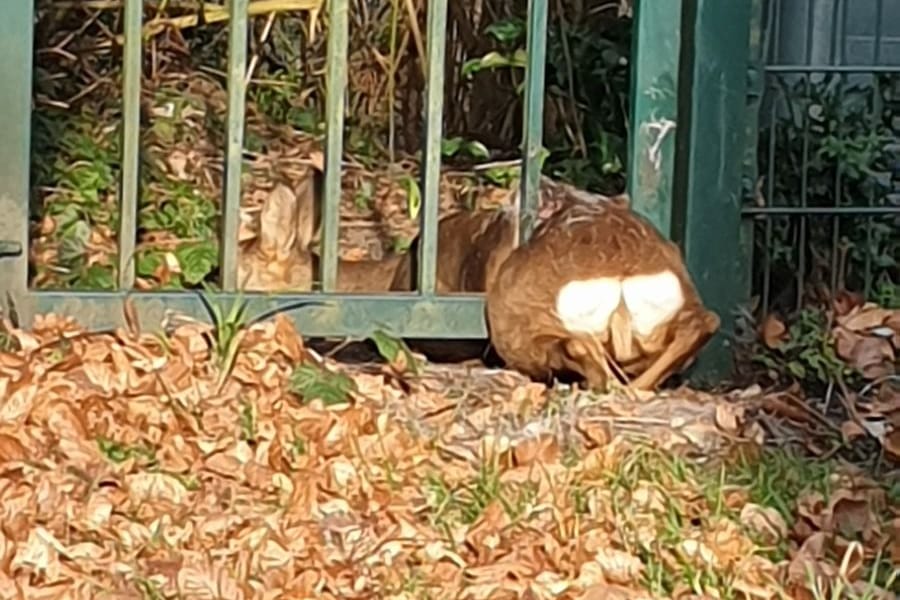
127, 469
865, 338
868, 338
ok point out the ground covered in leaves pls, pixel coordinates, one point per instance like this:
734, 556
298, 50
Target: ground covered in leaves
189, 465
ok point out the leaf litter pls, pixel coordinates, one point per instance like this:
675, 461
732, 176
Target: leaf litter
130, 468
848, 351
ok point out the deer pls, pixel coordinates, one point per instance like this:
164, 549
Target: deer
597, 292
470, 248
281, 258
473, 244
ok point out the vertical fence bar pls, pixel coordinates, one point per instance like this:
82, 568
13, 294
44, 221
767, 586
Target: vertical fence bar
533, 116
431, 173
234, 146
804, 194
131, 130
804, 173
756, 80
713, 90
654, 109
838, 25
16, 47
773, 53
877, 113
336, 86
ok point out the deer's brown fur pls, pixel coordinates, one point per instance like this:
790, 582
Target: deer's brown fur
471, 247
585, 241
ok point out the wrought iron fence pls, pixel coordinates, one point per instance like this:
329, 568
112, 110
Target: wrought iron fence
825, 214
688, 74
418, 314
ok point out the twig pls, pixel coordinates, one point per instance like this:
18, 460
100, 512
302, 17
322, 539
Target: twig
270, 21
848, 403
392, 75
417, 36
868, 387
567, 54
214, 13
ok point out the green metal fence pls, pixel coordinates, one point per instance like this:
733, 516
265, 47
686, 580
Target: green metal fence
689, 64
420, 314
826, 212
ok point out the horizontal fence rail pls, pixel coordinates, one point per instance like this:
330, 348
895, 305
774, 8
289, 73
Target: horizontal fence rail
418, 314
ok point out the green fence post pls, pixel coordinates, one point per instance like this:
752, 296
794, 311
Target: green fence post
131, 139
713, 106
234, 146
755, 87
431, 170
16, 47
654, 109
533, 116
336, 90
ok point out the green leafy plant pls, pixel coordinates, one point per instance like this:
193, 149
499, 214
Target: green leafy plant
517, 59
413, 195
466, 501
312, 382
81, 179
229, 328
363, 196
808, 354
279, 98
395, 352
828, 145
248, 421
458, 146
118, 452
197, 260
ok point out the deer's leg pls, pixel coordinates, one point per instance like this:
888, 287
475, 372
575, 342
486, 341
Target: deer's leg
692, 333
586, 356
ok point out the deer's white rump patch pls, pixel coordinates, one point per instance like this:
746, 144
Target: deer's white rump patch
651, 300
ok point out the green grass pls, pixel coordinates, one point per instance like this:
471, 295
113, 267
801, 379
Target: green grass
686, 502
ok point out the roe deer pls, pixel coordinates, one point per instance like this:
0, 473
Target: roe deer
471, 247
473, 244
597, 290
281, 259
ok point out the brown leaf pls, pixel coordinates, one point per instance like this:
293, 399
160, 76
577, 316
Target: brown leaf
894, 537
807, 563
19, 404
872, 356
151, 487
11, 449
864, 318
605, 591
130, 314
178, 164
773, 331
619, 567
850, 431
766, 522
846, 301
542, 449
891, 444
317, 160
850, 513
